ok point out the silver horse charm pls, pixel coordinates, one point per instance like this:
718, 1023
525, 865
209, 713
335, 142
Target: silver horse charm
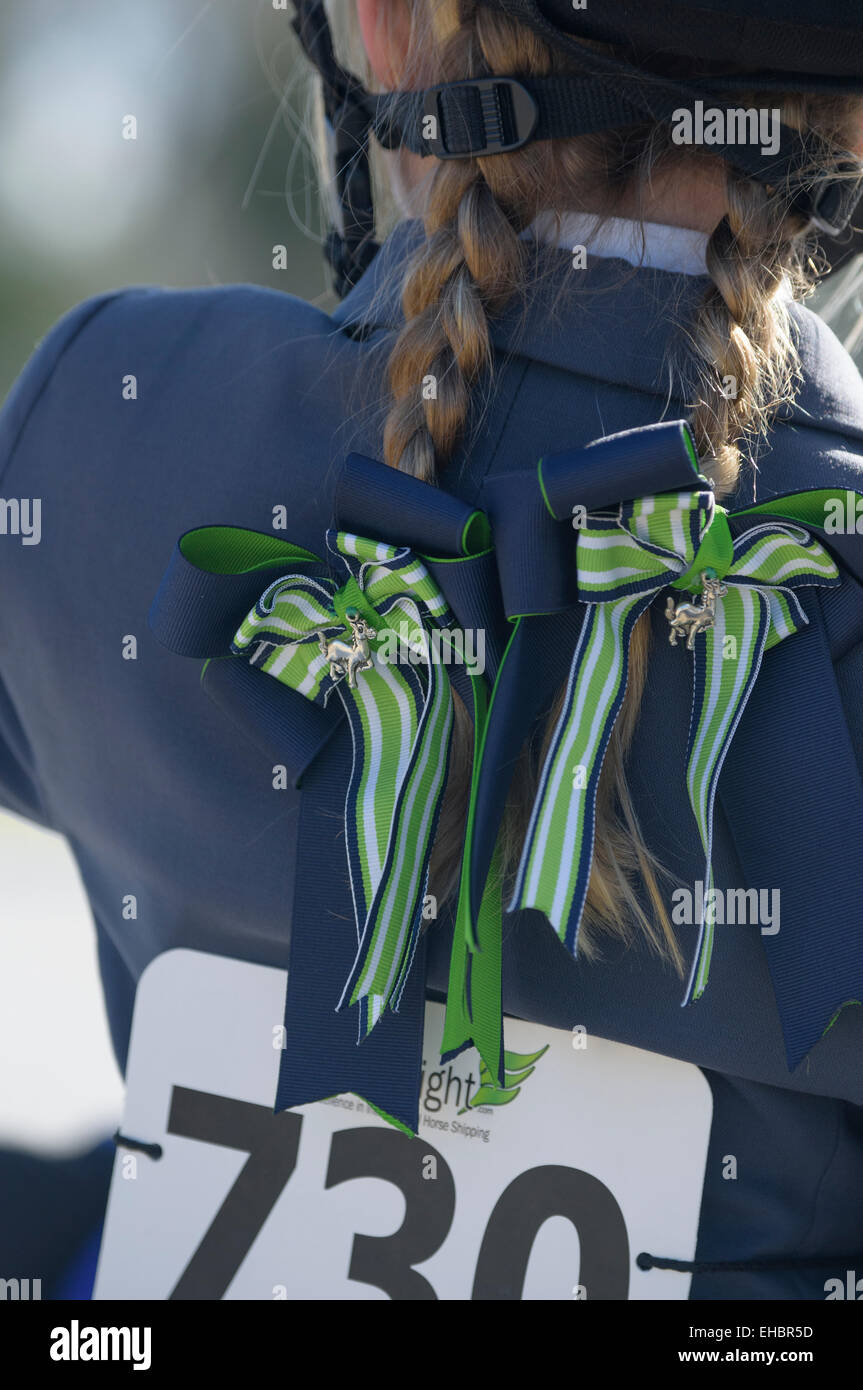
346, 660
692, 618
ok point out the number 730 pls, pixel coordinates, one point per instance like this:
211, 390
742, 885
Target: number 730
387, 1262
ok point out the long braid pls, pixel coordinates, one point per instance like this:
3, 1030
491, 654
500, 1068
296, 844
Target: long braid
743, 332
759, 259
468, 268
472, 263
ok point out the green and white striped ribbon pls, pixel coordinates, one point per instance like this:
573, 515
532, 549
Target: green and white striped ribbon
623, 562
400, 717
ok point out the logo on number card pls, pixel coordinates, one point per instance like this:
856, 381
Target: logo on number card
468, 1094
518, 1066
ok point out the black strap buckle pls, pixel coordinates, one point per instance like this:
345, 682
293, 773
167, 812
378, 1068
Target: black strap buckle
831, 207
507, 113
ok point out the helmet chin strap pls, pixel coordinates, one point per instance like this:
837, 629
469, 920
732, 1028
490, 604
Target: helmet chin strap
484, 116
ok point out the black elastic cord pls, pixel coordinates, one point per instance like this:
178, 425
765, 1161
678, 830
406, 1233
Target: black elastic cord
646, 1261
349, 108
123, 1141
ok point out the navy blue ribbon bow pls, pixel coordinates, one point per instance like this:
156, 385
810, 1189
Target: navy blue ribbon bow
790, 786
197, 611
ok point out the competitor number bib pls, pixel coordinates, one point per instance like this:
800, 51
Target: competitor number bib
598, 1156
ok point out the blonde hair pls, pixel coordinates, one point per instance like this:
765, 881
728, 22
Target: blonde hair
737, 364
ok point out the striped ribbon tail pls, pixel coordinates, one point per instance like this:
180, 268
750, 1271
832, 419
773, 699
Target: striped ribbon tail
620, 568
758, 610
401, 589
391, 814
556, 859
726, 663
400, 713
681, 540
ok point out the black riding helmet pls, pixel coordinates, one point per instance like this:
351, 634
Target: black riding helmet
670, 56
779, 36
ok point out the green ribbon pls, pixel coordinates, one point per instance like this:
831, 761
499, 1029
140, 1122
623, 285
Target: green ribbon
750, 604
401, 715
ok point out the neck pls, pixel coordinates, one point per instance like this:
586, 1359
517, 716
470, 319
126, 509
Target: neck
692, 197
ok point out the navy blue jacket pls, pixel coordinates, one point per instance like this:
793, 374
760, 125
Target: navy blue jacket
248, 399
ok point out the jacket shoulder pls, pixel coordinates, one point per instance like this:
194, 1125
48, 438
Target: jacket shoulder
48, 351
817, 441
831, 391
236, 317
212, 333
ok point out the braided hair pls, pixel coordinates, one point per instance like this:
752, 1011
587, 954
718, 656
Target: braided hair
737, 363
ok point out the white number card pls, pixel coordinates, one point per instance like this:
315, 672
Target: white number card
598, 1157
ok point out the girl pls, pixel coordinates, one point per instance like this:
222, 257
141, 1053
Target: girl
574, 258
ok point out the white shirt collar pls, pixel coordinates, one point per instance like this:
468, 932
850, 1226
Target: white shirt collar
650, 244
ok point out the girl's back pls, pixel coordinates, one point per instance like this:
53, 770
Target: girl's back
147, 413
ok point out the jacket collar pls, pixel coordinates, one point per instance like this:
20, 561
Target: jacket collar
614, 323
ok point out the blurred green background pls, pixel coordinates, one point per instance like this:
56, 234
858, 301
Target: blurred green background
217, 176
220, 172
